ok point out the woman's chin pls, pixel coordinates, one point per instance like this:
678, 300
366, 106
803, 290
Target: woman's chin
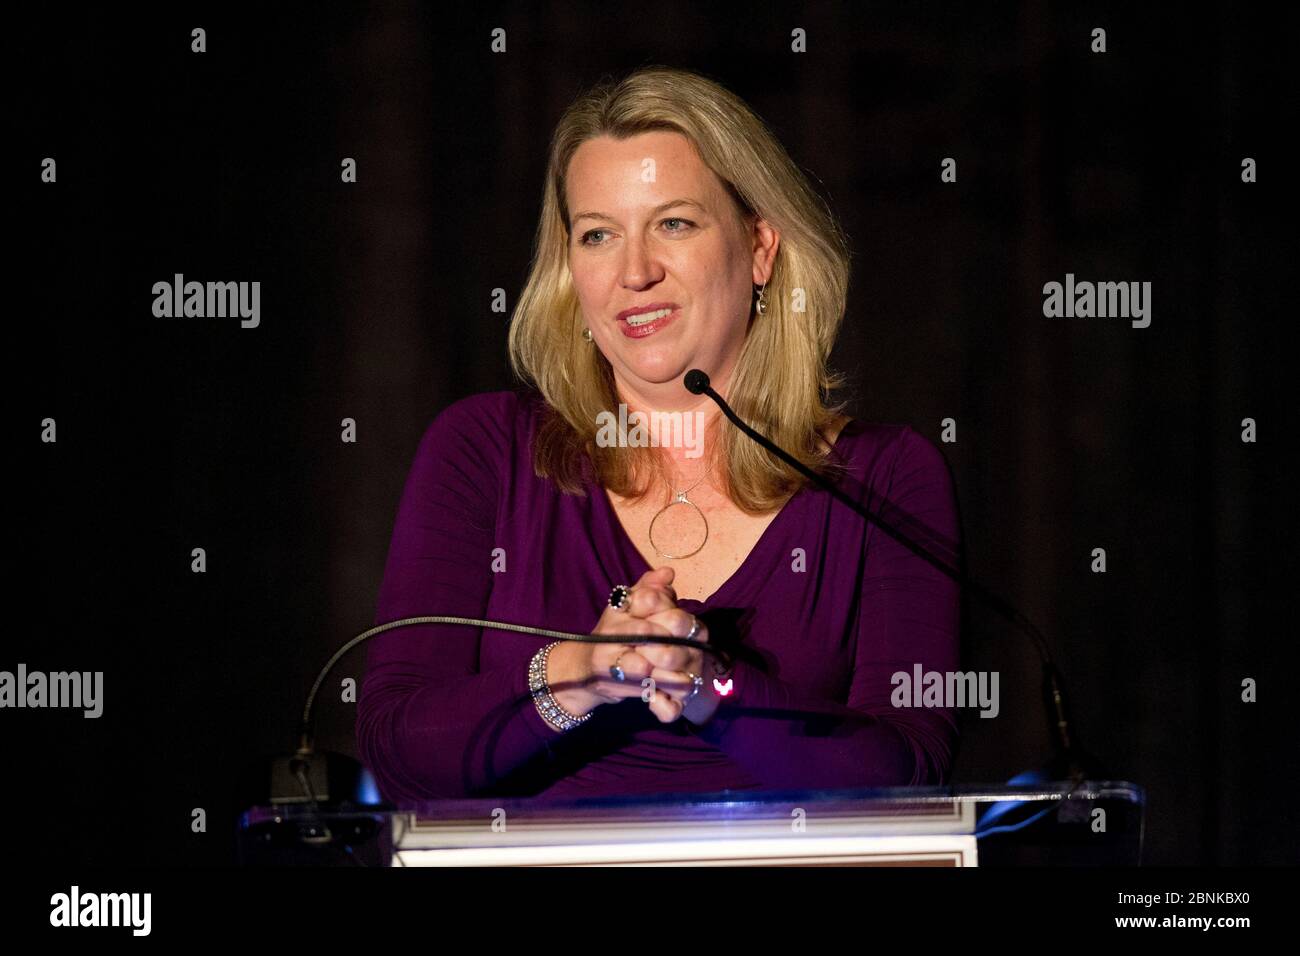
658, 370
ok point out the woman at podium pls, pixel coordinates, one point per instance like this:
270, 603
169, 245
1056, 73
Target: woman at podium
602, 496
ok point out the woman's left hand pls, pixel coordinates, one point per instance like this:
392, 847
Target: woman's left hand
673, 665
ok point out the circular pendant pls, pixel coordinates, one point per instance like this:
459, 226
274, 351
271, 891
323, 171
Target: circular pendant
680, 499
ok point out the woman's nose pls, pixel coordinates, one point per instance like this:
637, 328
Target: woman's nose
640, 267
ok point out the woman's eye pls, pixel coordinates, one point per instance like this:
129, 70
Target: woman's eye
586, 239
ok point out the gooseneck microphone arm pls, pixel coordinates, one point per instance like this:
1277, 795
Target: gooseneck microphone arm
305, 725
697, 382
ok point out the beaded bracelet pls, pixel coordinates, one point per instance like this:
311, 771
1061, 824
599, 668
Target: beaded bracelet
547, 705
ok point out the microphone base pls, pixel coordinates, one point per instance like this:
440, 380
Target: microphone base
334, 779
1076, 766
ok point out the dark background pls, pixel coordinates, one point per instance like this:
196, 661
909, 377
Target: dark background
1072, 433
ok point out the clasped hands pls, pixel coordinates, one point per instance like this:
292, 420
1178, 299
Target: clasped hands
653, 611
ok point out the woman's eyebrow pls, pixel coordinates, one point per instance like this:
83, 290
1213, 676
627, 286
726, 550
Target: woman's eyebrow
654, 212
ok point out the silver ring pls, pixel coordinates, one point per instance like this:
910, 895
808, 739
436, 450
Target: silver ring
695, 628
697, 682
617, 672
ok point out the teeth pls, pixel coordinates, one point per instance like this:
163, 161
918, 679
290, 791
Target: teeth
645, 317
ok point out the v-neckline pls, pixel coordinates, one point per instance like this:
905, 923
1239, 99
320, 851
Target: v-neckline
630, 547
637, 558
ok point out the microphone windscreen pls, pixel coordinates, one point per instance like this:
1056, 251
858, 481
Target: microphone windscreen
696, 382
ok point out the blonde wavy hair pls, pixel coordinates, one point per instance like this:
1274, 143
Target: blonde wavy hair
781, 384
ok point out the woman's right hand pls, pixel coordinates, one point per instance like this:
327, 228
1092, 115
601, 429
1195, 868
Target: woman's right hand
579, 672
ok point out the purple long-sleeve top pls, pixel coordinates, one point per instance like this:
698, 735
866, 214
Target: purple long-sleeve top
821, 614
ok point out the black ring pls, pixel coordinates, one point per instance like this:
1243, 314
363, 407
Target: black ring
620, 598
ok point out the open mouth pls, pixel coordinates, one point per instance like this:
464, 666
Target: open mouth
648, 323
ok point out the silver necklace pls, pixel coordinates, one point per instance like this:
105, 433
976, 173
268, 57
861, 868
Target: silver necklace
679, 498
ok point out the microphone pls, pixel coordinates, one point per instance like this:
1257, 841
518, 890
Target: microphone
1070, 760
697, 383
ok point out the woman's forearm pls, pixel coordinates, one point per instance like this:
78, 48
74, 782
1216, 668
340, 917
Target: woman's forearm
789, 739
447, 739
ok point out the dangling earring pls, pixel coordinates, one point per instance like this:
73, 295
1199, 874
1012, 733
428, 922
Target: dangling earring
761, 305
586, 334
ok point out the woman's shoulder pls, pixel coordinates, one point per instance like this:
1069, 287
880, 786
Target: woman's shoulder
503, 412
880, 449
489, 407
484, 428
859, 435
